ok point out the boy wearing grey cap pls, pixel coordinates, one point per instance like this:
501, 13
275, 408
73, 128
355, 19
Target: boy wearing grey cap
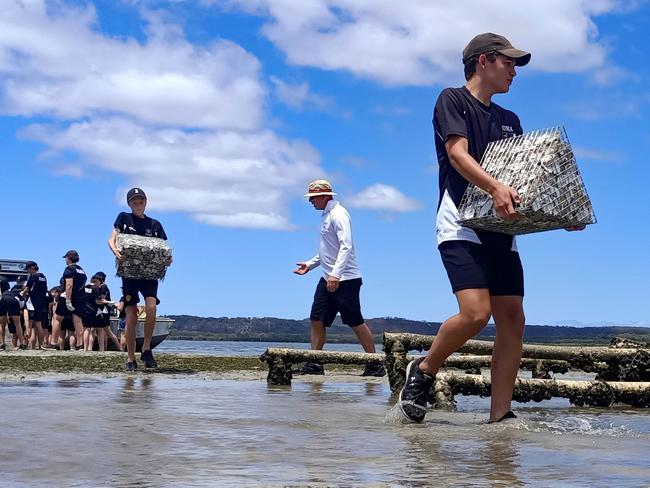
138, 223
483, 267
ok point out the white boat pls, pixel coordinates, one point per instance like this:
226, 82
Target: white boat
160, 332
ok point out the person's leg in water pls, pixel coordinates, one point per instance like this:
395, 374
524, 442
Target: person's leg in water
3, 326
101, 338
109, 334
131, 322
509, 318
473, 315
365, 337
77, 321
318, 335
367, 341
18, 339
149, 326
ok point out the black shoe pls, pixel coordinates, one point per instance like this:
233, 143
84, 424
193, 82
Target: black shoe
49, 347
413, 397
374, 369
131, 367
509, 415
311, 368
3, 347
147, 358
22, 347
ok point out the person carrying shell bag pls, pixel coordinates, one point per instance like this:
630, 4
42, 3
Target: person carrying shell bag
142, 257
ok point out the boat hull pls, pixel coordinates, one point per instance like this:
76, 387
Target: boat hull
160, 332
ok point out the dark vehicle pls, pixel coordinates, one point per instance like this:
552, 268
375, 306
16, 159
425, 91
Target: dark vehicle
12, 269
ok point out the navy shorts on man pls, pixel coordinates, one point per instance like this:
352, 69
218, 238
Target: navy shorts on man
344, 300
132, 288
474, 266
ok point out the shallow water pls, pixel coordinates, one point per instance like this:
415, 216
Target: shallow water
146, 431
244, 348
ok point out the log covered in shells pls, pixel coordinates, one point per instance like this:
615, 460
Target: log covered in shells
280, 361
592, 393
608, 363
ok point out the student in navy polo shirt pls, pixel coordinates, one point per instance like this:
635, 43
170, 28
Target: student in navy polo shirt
138, 223
74, 282
36, 291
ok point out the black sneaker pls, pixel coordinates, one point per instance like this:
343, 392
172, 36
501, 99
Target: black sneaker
3, 347
374, 369
49, 347
311, 368
413, 397
147, 358
131, 367
22, 347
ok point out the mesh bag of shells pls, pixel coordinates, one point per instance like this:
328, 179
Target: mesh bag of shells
144, 257
541, 166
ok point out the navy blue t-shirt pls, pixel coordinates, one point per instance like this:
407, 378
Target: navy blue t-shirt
128, 223
4, 284
37, 288
78, 276
459, 113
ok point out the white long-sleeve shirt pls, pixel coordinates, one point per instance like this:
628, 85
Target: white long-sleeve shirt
336, 250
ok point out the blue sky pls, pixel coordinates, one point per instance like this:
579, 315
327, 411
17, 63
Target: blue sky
223, 111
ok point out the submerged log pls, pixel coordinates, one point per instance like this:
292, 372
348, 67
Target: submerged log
609, 363
280, 360
540, 368
593, 393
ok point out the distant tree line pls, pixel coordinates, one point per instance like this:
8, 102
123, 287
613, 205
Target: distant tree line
288, 330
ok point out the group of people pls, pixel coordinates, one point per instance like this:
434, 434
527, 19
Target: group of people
483, 267
74, 315
77, 314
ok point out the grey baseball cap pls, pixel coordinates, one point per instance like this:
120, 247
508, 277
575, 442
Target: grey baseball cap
489, 42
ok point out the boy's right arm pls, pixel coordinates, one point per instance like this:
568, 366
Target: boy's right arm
113, 244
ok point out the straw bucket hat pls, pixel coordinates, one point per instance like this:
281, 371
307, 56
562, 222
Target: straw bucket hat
319, 187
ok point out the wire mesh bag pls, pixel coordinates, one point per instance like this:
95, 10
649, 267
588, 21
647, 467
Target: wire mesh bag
541, 166
144, 257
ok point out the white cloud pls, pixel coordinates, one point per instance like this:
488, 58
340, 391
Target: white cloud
383, 197
58, 64
182, 121
298, 96
420, 41
222, 178
597, 154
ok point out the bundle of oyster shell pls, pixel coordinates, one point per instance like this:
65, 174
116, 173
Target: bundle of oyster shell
542, 168
145, 258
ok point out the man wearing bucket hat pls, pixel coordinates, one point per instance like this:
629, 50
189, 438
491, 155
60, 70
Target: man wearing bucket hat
483, 267
338, 290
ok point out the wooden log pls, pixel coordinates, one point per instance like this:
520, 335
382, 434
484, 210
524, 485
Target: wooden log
593, 393
540, 368
280, 361
608, 363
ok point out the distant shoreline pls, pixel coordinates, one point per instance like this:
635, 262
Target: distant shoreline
272, 329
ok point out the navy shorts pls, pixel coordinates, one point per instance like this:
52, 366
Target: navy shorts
39, 314
472, 266
344, 300
9, 306
67, 323
61, 310
131, 288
